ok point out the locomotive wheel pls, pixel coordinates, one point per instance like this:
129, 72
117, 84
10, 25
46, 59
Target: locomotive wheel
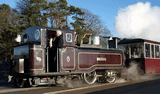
110, 79
90, 78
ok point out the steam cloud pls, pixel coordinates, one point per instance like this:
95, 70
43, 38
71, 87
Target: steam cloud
70, 83
134, 73
140, 20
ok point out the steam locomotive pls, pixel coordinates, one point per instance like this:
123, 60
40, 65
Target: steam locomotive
47, 54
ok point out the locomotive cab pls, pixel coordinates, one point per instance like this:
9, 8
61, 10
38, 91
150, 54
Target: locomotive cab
42, 44
57, 39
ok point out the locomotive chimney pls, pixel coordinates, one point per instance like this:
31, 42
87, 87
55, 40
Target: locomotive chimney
113, 42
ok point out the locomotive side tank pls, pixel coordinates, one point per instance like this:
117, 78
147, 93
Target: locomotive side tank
46, 54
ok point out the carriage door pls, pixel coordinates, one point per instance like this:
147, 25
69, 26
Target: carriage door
68, 58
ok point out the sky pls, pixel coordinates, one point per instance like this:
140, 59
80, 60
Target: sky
124, 18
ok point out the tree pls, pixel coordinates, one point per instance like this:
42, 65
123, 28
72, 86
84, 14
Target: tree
94, 24
57, 13
78, 23
32, 13
8, 30
50, 12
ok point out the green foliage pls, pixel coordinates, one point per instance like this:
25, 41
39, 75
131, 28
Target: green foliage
5, 7
32, 13
78, 23
9, 29
57, 14
86, 40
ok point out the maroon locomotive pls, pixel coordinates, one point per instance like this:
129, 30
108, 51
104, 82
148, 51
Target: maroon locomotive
143, 52
45, 54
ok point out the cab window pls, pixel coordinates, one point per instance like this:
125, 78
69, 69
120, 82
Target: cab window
68, 37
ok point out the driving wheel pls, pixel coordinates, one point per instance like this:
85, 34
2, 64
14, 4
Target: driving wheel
90, 78
110, 79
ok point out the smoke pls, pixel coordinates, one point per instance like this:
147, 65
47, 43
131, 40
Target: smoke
134, 73
70, 83
140, 20
120, 80
64, 83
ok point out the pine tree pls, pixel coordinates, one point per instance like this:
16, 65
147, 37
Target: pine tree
32, 13
9, 29
79, 22
57, 13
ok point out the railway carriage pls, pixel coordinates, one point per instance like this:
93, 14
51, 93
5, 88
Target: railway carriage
143, 52
43, 57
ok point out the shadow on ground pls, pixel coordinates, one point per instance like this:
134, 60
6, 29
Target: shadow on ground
148, 87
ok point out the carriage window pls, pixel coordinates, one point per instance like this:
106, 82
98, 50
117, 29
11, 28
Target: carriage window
152, 53
137, 50
147, 50
68, 37
157, 51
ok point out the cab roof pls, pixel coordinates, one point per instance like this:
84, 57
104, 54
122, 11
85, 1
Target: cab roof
135, 40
